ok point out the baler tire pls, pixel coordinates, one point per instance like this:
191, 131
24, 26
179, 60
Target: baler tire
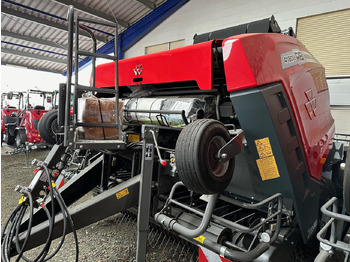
346, 184
47, 127
195, 151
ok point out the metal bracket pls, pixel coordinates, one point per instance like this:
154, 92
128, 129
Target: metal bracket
148, 134
232, 148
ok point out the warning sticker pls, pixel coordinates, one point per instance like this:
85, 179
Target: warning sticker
264, 147
268, 168
267, 163
122, 193
200, 239
133, 138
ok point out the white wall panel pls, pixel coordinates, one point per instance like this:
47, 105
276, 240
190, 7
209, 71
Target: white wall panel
200, 16
339, 90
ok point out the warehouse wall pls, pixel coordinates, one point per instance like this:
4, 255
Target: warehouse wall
200, 16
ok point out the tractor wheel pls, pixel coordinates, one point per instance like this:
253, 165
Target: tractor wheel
18, 140
48, 127
346, 186
10, 140
196, 157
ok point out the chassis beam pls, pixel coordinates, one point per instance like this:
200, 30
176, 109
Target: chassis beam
108, 203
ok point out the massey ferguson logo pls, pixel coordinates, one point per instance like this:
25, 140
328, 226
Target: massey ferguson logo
310, 105
138, 70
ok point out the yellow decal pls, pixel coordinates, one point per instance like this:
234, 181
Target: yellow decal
21, 200
53, 185
264, 147
133, 138
268, 168
266, 162
122, 193
200, 239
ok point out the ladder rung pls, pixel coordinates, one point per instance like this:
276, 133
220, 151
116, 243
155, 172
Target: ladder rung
100, 144
94, 89
97, 55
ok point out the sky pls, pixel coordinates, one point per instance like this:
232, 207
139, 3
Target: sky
15, 79
21, 79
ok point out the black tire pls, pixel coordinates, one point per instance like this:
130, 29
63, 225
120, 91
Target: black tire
48, 127
195, 151
10, 140
346, 185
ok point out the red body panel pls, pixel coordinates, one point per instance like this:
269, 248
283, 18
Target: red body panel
250, 60
258, 59
28, 120
190, 63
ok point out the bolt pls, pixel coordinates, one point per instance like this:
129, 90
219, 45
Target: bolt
81, 146
70, 143
223, 156
71, 129
265, 237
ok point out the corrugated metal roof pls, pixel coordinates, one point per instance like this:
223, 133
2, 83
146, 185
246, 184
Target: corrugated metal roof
34, 32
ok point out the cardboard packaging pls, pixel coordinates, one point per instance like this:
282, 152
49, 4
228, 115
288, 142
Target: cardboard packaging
98, 110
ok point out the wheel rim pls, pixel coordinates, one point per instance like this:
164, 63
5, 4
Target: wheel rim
18, 141
216, 167
54, 126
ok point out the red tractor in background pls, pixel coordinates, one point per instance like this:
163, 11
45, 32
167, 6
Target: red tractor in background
9, 112
23, 127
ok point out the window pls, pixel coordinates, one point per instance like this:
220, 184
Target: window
327, 37
163, 47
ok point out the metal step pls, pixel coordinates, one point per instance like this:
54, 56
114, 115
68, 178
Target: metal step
100, 144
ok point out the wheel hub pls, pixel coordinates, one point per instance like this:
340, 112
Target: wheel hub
216, 167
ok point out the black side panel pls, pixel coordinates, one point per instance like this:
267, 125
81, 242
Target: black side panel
9, 119
265, 112
268, 25
35, 123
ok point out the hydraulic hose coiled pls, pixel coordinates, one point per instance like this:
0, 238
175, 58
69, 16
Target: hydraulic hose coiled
11, 239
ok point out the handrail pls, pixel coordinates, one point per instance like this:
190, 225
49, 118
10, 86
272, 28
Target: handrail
70, 18
74, 26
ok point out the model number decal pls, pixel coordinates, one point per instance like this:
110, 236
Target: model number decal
296, 57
